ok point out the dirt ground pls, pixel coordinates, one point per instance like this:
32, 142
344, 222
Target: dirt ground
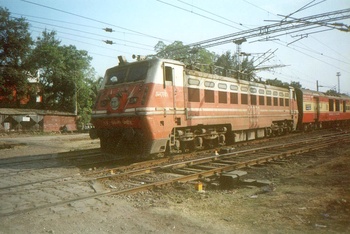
311, 194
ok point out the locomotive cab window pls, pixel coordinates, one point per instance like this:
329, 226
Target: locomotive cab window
168, 73
138, 73
116, 77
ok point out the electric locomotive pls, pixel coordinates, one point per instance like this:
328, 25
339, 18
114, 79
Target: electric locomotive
158, 106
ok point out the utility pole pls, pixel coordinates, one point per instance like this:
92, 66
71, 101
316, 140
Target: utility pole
338, 75
238, 43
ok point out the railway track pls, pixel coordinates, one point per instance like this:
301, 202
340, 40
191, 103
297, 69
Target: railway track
147, 175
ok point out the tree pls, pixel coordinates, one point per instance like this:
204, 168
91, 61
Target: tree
230, 66
63, 72
296, 84
15, 45
276, 82
193, 57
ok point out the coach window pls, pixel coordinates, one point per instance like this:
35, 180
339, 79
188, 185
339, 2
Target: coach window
193, 95
222, 97
275, 101
344, 106
209, 96
331, 105
234, 98
253, 100
337, 105
244, 99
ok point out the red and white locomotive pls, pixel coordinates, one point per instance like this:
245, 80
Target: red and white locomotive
158, 106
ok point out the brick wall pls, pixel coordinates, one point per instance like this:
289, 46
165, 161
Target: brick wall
53, 123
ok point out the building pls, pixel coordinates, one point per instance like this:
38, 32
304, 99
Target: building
12, 119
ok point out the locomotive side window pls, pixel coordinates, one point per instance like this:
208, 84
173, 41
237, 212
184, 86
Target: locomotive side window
234, 98
222, 97
209, 96
261, 100
281, 101
244, 99
253, 100
209, 84
331, 105
286, 102
193, 95
269, 101
193, 81
234, 87
222, 86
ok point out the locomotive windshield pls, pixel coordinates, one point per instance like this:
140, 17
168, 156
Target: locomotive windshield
127, 74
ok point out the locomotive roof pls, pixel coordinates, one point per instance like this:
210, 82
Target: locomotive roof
322, 94
126, 63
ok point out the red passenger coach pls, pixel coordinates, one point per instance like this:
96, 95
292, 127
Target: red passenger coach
158, 106
319, 110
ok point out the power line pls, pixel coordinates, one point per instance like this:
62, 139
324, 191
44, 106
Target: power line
219, 16
72, 23
95, 34
206, 17
91, 19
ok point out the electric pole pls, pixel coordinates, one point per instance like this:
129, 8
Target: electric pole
338, 74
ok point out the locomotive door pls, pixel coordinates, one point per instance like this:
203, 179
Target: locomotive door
173, 84
253, 112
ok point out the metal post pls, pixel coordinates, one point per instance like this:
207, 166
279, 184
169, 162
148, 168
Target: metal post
338, 75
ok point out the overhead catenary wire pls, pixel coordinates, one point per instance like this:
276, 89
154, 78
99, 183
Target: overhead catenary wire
95, 20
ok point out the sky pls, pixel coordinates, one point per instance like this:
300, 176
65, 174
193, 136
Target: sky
138, 25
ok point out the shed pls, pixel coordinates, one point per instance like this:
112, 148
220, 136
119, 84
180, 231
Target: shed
12, 119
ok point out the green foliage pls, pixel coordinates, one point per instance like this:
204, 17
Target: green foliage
15, 45
65, 75
193, 57
276, 82
66, 79
206, 61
